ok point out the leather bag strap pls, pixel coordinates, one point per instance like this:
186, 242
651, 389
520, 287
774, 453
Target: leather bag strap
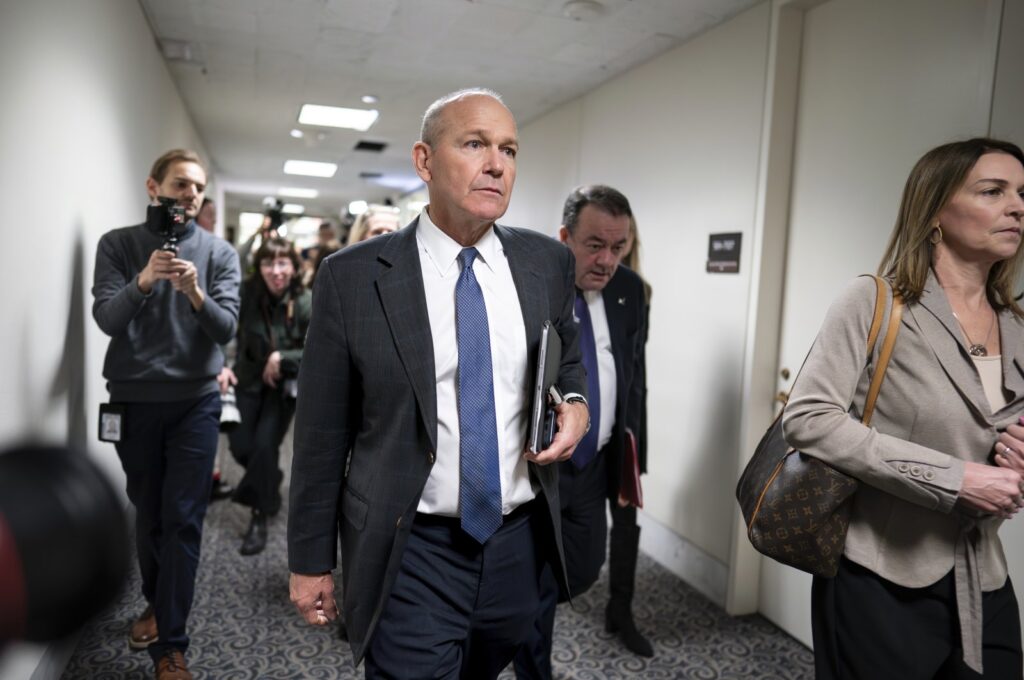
887, 345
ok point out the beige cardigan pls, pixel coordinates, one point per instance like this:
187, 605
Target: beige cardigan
930, 417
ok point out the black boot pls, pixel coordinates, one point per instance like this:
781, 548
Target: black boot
618, 616
256, 537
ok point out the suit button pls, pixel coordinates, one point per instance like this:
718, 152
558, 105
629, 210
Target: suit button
916, 470
929, 475
430, 455
903, 467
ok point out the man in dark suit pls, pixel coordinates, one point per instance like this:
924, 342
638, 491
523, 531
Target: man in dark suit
411, 420
611, 309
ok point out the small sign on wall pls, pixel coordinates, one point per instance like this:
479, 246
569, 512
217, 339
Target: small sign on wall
724, 253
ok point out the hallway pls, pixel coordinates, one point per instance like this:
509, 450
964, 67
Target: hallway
244, 628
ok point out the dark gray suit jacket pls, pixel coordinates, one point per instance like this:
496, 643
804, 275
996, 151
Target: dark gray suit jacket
367, 386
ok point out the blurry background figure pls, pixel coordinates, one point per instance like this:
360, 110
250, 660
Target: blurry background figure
273, 217
207, 217
377, 220
632, 260
271, 332
63, 554
327, 242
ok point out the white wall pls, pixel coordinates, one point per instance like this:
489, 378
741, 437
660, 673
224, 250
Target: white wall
88, 106
680, 137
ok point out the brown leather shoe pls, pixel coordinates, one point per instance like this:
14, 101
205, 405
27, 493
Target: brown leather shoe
172, 666
143, 632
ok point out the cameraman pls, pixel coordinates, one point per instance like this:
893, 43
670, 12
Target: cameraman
167, 294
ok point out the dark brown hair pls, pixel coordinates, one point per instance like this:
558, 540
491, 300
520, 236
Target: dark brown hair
162, 164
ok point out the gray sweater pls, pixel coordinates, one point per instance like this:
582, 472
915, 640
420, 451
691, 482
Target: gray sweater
160, 348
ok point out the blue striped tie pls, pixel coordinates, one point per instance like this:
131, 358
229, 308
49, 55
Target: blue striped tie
479, 477
586, 450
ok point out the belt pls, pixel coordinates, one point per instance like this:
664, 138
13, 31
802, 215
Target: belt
427, 519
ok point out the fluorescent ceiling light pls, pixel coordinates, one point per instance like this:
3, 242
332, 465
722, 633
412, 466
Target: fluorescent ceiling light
357, 207
335, 116
293, 209
310, 168
297, 192
296, 133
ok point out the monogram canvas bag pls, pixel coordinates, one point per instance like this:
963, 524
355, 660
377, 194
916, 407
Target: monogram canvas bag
797, 508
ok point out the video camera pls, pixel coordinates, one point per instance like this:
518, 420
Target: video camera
168, 220
274, 212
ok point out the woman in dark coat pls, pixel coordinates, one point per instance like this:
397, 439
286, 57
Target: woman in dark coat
271, 331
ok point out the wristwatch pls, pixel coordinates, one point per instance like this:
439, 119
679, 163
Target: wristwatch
578, 399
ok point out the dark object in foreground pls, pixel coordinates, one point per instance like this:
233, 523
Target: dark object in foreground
63, 542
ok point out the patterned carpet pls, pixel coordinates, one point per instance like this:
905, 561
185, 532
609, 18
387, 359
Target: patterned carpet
244, 628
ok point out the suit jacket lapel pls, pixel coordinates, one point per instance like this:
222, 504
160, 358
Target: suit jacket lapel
1011, 329
529, 288
942, 332
400, 286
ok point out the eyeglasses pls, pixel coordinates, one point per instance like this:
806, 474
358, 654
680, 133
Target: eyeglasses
278, 264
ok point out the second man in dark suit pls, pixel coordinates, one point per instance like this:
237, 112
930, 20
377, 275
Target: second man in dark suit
411, 419
611, 308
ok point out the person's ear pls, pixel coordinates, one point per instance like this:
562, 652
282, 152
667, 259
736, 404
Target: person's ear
563, 234
152, 188
422, 158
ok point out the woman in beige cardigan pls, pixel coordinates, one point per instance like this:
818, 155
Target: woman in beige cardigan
922, 589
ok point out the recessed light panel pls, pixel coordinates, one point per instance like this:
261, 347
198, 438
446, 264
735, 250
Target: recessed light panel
336, 116
310, 168
297, 192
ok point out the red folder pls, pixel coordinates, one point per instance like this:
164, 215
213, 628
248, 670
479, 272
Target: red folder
630, 491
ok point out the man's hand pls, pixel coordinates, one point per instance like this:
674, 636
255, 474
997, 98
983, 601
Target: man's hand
313, 596
159, 267
185, 279
225, 379
272, 369
572, 422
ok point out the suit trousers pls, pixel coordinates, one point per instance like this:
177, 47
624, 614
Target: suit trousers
256, 445
459, 610
582, 494
167, 452
867, 627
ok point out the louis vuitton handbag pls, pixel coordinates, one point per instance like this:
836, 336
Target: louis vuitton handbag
797, 508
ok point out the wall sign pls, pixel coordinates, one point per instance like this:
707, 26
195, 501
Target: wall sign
724, 253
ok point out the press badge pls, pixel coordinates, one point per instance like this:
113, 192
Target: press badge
111, 422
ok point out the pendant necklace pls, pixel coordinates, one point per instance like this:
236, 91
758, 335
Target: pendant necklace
975, 349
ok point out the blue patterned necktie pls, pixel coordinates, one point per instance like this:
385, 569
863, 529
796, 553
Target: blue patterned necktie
586, 450
479, 477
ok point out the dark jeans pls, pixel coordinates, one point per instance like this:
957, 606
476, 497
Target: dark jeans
256, 445
167, 451
867, 627
459, 610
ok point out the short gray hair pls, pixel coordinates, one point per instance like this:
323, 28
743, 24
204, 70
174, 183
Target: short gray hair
431, 127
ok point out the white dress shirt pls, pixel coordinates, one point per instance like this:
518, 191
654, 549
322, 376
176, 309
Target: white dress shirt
605, 365
439, 263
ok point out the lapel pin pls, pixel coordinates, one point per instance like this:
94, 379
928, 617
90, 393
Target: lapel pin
622, 301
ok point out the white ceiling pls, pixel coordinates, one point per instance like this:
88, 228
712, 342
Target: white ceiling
255, 62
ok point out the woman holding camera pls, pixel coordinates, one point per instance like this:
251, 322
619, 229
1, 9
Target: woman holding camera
271, 331
922, 589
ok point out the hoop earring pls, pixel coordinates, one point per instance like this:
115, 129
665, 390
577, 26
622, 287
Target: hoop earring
936, 236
